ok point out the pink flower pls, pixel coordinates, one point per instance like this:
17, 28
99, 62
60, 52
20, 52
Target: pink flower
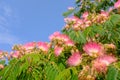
15, 54
58, 50
65, 37
103, 13
85, 15
43, 46
117, 4
51, 37
59, 36
101, 63
74, 59
1, 52
29, 46
69, 43
72, 20
93, 49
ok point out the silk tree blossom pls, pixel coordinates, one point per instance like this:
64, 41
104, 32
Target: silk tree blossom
74, 59
69, 43
61, 38
43, 46
93, 49
85, 15
15, 54
71, 20
117, 4
29, 46
101, 63
51, 37
58, 50
104, 13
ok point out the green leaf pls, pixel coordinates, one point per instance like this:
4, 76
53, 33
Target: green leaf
51, 71
67, 74
112, 73
65, 14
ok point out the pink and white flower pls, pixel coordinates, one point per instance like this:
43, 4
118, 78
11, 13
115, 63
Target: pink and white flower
69, 43
71, 20
43, 46
15, 54
101, 63
29, 46
93, 49
58, 50
117, 4
51, 37
85, 15
105, 14
74, 59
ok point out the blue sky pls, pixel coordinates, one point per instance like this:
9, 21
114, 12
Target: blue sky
24, 21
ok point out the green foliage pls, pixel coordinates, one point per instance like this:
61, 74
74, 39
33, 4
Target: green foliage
65, 14
28, 67
51, 71
113, 73
67, 74
93, 6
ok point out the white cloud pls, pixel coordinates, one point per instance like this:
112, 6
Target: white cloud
6, 38
6, 16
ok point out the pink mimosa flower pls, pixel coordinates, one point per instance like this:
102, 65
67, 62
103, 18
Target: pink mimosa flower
58, 50
1, 52
117, 4
93, 49
51, 37
15, 54
80, 21
74, 59
65, 37
72, 20
101, 63
69, 43
103, 13
43, 46
85, 15
29, 46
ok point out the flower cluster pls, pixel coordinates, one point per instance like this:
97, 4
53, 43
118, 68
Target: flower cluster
60, 42
117, 4
31, 47
86, 20
99, 52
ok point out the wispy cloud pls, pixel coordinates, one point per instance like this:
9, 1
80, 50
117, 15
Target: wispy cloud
6, 38
6, 16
